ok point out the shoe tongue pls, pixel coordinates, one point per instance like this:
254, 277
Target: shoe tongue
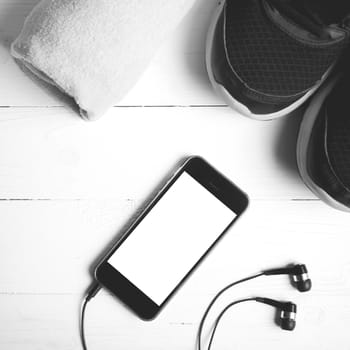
314, 15
328, 11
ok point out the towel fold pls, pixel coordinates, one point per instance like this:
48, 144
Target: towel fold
95, 50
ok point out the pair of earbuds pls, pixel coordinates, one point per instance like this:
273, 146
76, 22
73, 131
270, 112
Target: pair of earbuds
287, 310
300, 280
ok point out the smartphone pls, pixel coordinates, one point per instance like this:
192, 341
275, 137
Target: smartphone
170, 237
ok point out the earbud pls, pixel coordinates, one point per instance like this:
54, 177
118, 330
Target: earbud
287, 316
301, 278
287, 312
298, 274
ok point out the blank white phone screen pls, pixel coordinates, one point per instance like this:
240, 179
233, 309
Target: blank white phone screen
171, 238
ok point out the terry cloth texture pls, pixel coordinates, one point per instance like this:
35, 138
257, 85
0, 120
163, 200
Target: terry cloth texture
95, 50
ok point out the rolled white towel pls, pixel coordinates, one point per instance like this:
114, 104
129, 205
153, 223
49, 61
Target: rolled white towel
95, 50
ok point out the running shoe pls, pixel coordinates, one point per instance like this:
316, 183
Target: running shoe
323, 148
267, 57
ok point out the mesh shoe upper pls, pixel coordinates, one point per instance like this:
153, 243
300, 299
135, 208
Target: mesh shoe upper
272, 61
338, 131
327, 156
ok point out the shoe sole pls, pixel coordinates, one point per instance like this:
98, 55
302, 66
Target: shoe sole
233, 103
305, 131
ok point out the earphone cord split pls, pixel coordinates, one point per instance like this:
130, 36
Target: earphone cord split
216, 323
201, 323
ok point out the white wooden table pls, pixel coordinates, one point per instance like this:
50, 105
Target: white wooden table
68, 187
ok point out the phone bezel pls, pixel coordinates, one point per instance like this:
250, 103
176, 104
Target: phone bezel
214, 182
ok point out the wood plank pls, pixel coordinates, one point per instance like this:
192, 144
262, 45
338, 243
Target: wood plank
176, 76
47, 248
50, 322
52, 246
52, 153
